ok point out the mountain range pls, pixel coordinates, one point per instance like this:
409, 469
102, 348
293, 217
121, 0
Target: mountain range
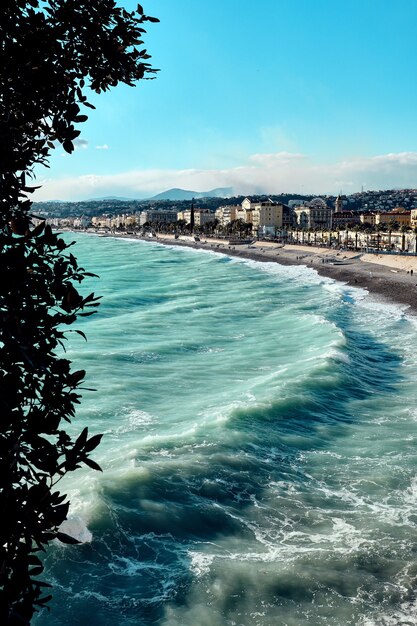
185, 194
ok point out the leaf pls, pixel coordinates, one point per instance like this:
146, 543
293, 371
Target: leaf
75, 377
80, 332
31, 189
93, 442
92, 464
64, 538
44, 600
38, 229
90, 298
68, 146
82, 438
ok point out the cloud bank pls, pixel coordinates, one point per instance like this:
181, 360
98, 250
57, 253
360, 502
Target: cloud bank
272, 173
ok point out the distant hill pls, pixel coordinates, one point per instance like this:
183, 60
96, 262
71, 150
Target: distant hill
105, 198
185, 194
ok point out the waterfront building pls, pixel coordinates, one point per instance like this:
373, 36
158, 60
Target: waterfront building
129, 221
201, 216
101, 221
396, 218
368, 218
266, 216
288, 217
82, 222
342, 219
315, 214
401, 216
244, 212
157, 216
226, 214
125, 220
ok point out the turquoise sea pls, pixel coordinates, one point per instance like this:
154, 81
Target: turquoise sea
259, 457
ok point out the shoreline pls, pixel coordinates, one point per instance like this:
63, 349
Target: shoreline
392, 278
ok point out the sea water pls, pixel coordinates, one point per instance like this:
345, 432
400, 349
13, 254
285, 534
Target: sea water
259, 451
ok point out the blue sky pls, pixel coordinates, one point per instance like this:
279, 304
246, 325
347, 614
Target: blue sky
312, 96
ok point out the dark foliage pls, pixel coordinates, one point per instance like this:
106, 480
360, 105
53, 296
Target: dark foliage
50, 53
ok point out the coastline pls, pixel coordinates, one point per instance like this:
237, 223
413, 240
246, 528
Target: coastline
391, 278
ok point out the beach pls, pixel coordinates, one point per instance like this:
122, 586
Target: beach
389, 277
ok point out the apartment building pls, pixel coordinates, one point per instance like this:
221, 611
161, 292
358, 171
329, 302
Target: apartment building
154, 215
226, 214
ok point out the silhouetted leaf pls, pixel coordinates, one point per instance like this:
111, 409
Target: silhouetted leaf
38, 229
93, 442
64, 538
92, 464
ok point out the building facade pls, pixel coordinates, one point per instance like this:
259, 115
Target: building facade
226, 214
342, 219
267, 217
155, 216
201, 216
393, 219
314, 214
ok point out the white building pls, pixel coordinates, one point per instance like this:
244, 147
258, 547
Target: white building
226, 214
315, 214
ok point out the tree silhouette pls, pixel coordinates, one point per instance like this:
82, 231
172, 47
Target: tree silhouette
49, 51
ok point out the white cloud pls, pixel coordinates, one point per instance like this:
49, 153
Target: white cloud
275, 159
262, 173
80, 144
103, 147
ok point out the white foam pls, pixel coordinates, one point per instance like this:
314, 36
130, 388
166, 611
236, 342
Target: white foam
405, 615
200, 563
395, 311
134, 419
75, 527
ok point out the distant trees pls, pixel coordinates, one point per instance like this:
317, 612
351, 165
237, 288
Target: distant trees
239, 227
50, 53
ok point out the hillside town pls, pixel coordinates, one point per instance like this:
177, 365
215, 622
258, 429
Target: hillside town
382, 221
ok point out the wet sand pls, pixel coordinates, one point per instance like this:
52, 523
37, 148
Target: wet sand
392, 278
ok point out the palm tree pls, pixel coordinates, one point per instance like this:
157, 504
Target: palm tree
356, 228
346, 235
403, 230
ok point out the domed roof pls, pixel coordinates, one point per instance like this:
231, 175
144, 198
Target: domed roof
318, 203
